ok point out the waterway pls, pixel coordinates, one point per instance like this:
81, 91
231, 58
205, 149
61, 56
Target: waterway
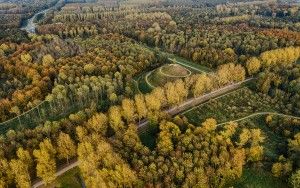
30, 26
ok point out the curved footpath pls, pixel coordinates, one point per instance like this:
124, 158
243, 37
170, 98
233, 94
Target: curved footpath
147, 81
258, 114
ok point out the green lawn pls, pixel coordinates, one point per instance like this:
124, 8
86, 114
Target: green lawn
148, 139
70, 179
142, 85
255, 178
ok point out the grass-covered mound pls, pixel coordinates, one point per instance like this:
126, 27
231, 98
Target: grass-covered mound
173, 70
160, 76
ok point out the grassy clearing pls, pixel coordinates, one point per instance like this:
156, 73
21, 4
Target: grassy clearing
255, 178
148, 139
272, 143
239, 104
174, 70
70, 179
143, 86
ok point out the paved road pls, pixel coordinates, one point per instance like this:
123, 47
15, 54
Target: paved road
172, 111
198, 100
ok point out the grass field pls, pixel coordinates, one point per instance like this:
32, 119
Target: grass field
257, 178
232, 106
70, 179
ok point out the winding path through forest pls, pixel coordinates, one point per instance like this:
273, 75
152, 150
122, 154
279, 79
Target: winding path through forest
183, 107
172, 111
188, 104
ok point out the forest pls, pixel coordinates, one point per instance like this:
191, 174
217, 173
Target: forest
143, 93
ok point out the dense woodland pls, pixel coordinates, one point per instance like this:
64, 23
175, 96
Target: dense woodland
70, 91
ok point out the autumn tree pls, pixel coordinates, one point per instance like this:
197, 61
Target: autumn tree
6, 174
81, 133
98, 123
21, 173
172, 95
141, 107
202, 85
46, 166
21, 168
47, 60
100, 164
253, 65
89, 68
244, 137
66, 147
169, 133
131, 137
230, 72
153, 103
128, 110
26, 58
295, 179
294, 147
209, 124
115, 118
282, 168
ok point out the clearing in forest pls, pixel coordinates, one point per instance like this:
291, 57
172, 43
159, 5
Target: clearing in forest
231, 106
